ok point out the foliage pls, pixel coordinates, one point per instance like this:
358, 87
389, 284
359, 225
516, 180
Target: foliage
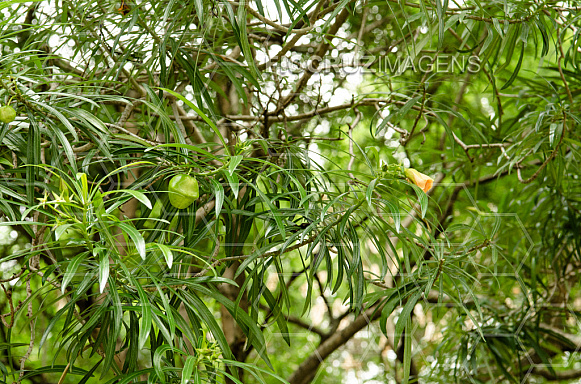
300, 123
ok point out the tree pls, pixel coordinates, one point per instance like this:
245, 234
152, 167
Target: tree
221, 191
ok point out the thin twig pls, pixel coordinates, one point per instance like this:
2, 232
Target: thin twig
8, 294
561, 57
32, 330
418, 117
350, 134
64, 373
544, 164
315, 60
404, 133
176, 113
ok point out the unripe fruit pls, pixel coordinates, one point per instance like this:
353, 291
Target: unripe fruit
183, 191
7, 114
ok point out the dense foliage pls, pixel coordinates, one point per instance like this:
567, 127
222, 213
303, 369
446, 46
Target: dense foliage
221, 191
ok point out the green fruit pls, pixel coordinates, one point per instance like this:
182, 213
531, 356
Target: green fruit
7, 114
183, 191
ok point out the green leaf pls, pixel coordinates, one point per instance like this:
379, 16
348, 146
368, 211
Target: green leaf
89, 374
59, 116
167, 254
422, 199
219, 192
73, 370
369, 192
138, 195
517, 68
396, 117
135, 236
404, 316
189, 366
203, 116
103, 271
8, 3
243, 38
275, 213
59, 230
407, 352
194, 302
72, 270
145, 326
234, 183
157, 357
234, 161
82, 177
199, 4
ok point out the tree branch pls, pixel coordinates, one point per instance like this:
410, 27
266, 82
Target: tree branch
307, 369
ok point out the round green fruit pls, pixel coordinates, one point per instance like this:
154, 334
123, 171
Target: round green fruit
183, 191
7, 114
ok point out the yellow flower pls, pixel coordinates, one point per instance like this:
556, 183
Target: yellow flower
43, 200
423, 181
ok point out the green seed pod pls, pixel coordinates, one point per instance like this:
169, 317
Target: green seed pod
7, 114
183, 191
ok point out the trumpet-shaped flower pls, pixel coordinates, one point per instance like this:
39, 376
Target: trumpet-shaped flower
423, 181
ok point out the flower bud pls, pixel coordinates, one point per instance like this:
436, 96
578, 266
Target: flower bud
423, 181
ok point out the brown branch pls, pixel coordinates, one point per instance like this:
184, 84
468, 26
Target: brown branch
308, 368
297, 321
315, 61
309, 327
8, 294
322, 295
302, 116
203, 210
468, 147
361, 28
126, 113
32, 330
404, 133
271, 23
15, 276
64, 374
418, 117
558, 375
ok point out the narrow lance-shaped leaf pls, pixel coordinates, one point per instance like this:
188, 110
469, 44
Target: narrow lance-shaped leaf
167, 254
72, 270
103, 271
135, 236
